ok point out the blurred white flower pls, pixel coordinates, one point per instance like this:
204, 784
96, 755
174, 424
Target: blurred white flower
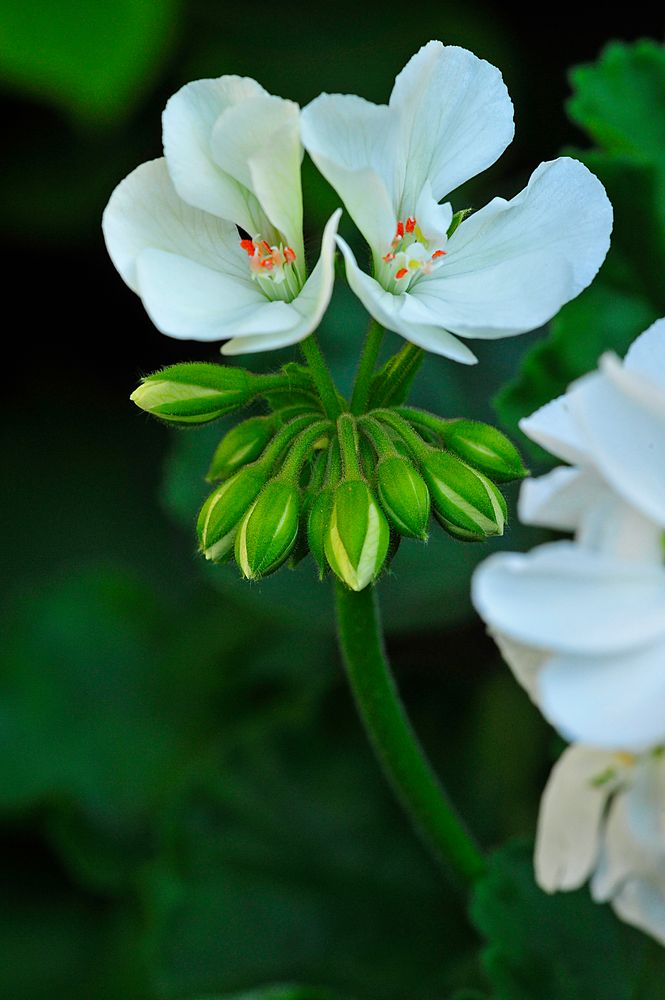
232, 156
507, 268
602, 817
582, 624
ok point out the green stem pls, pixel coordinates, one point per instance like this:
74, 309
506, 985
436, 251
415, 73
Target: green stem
399, 374
411, 439
301, 448
322, 377
429, 420
394, 741
366, 367
347, 435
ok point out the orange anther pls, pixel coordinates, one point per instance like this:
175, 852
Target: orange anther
410, 225
267, 263
289, 255
389, 256
266, 247
400, 229
438, 253
248, 247
401, 273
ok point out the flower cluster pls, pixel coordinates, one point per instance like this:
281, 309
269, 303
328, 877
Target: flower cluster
582, 624
211, 237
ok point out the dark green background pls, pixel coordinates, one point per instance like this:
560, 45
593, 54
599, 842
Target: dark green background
188, 806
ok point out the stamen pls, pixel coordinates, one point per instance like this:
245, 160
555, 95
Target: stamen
439, 253
289, 255
248, 247
410, 224
401, 273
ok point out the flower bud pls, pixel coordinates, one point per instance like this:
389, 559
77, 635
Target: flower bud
224, 509
318, 523
356, 543
242, 444
465, 502
404, 496
485, 448
268, 530
193, 393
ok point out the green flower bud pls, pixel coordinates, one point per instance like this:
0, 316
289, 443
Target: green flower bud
242, 444
356, 543
193, 393
465, 502
318, 523
268, 530
404, 496
485, 448
224, 509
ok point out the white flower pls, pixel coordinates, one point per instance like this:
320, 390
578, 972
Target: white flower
232, 155
602, 817
507, 268
582, 624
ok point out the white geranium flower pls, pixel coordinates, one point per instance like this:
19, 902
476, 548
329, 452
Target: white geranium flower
232, 156
507, 268
602, 817
582, 624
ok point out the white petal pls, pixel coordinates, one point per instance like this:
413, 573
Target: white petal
560, 499
570, 816
306, 311
626, 436
641, 902
433, 219
401, 313
189, 301
349, 140
257, 143
524, 661
145, 212
188, 122
512, 265
646, 355
554, 428
611, 700
561, 597
455, 118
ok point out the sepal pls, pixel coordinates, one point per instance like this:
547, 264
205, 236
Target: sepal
356, 543
404, 496
268, 530
465, 502
194, 393
239, 446
485, 448
224, 509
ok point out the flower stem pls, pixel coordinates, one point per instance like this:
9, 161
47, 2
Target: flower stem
322, 377
399, 375
394, 741
366, 366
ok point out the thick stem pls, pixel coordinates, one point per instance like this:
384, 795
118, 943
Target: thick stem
322, 377
394, 741
366, 367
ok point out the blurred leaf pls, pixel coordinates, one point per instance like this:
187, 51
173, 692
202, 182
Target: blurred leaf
288, 860
619, 101
278, 993
110, 695
555, 947
91, 58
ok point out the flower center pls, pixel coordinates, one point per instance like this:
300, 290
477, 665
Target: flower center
272, 267
411, 254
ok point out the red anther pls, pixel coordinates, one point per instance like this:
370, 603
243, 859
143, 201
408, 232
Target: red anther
266, 247
439, 253
389, 256
267, 263
289, 255
248, 247
401, 273
400, 229
410, 225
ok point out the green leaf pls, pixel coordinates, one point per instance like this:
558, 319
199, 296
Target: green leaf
91, 58
619, 102
556, 947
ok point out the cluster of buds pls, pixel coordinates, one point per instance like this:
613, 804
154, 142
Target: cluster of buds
293, 481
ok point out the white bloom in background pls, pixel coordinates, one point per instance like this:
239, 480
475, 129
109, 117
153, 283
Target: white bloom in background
506, 269
232, 156
602, 817
582, 624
